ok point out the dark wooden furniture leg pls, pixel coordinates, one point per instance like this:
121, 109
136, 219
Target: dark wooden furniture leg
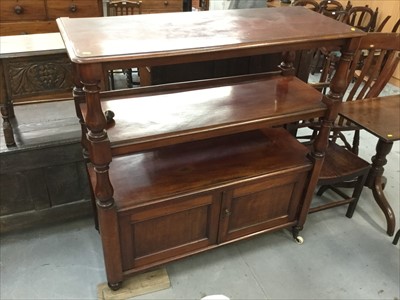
376, 180
7, 111
396, 238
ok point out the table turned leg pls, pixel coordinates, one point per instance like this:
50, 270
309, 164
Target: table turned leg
376, 180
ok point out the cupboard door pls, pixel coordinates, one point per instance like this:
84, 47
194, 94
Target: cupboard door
167, 230
260, 206
74, 8
22, 10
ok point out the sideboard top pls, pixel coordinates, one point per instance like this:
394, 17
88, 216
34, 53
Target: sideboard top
140, 37
31, 44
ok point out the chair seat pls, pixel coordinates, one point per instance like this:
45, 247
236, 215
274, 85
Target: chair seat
341, 163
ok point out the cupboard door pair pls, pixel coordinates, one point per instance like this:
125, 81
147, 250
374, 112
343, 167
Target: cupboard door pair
174, 228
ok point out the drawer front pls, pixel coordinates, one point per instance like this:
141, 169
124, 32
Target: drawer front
261, 206
22, 10
159, 233
74, 8
27, 27
161, 6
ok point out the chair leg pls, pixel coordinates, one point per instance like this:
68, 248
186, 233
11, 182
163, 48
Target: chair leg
323, 189
356, 184
129, 78
356, 194
396, 237
356, 142
112, 83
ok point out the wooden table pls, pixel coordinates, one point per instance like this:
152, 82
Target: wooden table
380, 117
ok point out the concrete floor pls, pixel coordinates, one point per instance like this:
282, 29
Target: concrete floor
341, 258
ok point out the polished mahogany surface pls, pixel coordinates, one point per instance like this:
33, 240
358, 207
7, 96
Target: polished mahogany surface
162, 36
379, 116
202, 166
166, 118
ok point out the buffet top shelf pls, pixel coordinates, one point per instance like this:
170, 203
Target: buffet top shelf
191, 36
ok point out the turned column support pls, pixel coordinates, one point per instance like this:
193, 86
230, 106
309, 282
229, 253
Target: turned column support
99, 149
79, 97
337, 89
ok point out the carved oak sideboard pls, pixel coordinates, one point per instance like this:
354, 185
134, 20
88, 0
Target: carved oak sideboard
33, 68
42, 174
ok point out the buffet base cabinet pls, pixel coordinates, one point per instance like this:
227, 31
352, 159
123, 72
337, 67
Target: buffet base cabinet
206, 193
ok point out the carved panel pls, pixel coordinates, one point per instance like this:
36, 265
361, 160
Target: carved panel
43, 74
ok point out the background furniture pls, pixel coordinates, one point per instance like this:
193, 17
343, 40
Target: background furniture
380, 117
123, 8
372, 67
38, 16
167, 172
161, 6
42, 173
362, 17
310, 4
33, 68
347, 170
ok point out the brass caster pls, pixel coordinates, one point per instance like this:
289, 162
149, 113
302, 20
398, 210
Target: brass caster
299, 240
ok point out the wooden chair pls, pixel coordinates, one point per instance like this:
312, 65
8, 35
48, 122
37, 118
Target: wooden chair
371, 68
382, 24
123, 8
342, 167
396, 26
335, 10
310, 4
361, 17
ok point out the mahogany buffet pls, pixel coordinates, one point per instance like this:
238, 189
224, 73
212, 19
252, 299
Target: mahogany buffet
187, 167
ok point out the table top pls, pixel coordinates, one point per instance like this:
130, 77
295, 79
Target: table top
31, 44
379, 116
205, 33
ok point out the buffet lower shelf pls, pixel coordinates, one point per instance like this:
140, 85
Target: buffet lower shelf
182, 199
